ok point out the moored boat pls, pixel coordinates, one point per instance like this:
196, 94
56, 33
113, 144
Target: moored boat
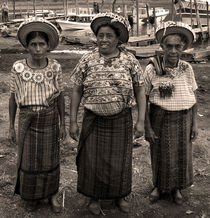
76, 22
184, 9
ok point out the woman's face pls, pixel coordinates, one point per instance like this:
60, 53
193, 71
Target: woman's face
38, 48
107, 40
172, 47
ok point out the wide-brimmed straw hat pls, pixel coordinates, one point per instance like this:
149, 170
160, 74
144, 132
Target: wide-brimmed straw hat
171, 27
38, 24
116, 20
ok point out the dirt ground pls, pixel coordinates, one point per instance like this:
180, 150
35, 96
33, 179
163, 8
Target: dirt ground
196, 198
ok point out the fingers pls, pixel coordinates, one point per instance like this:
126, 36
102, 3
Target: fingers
194, 136
74, 136
138, 134
151, 138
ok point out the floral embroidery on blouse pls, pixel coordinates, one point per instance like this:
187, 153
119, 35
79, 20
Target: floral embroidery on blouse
36, 87
108, 83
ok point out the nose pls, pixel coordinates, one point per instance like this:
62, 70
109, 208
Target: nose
104, 38
38, 47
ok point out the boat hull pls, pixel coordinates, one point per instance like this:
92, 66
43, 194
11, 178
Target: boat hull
184, 12
73, 26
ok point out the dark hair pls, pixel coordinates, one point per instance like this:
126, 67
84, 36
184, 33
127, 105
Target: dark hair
34, 34
116, 30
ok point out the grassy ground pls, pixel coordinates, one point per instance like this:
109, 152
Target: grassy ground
197, 200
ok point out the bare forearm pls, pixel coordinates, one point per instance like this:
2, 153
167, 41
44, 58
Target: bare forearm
141, 102
12, 110
194, 113
75, 102
147, 119
61, 108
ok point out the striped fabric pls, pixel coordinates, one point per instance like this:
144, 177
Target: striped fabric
36, 87
183, 80
171, 155
38, 153
104, 159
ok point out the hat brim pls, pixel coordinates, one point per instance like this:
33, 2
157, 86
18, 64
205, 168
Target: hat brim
100, 21
175, 30
45, 27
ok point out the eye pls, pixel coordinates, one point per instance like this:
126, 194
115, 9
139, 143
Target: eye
101, 36
109, 36
42, 44
179, 47
169, 46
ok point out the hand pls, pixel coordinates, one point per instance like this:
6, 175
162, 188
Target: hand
194, 132
74, 131
62, 133
150, 135
12, 135
139, 129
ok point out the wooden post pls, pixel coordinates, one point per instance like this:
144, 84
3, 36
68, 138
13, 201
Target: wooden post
43, 9
123, 5
14, 9
180, 11
67, 8
34, 6
207, 7
64, 9
155, 21
172, 10
137, 17
198, 19
27, 8
191, 18
76, 6
88, 7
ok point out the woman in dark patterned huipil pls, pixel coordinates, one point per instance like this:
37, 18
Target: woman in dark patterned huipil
37, 90
109, 78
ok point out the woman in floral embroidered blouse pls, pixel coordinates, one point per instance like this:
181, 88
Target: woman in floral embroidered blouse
109, 79
171, 124
37, 90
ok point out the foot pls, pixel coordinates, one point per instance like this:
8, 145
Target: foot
94, 207
178, 197
154, 196
55, 205
123, 205
32, 205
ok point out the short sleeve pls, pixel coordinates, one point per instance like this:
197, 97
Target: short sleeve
12, 80
136, 71
192, 78
77, 77
148, 74
59, 79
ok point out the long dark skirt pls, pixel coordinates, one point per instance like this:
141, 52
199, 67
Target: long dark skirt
104, 159
171, 155
38, 154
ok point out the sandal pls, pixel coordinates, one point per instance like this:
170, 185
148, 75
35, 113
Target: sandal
154, 197
177, 197
94, 207
55, 205
123, 205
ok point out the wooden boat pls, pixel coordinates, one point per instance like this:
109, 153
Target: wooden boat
76, 22
184, 7
146, 14
160, 14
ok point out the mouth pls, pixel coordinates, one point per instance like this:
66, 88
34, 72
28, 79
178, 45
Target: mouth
104, 45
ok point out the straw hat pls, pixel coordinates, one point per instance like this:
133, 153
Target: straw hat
38, 24
171, 27
116, 20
